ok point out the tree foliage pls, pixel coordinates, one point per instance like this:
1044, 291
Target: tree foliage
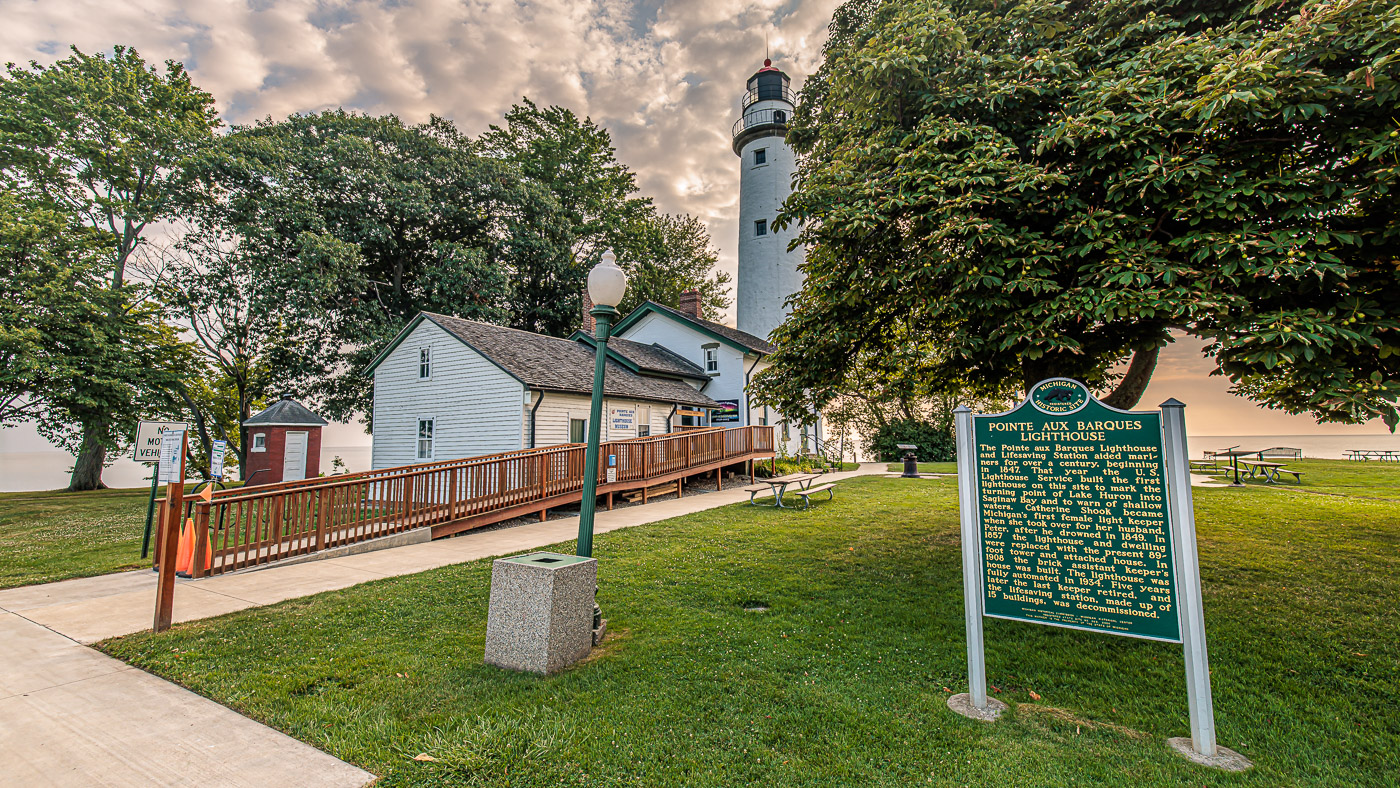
668, 254
104, 141
1043, 188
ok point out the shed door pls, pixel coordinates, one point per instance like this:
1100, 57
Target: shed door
294, 458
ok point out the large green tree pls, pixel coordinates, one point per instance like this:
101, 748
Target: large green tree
666, 254
1047, 188
104, 139
355, 223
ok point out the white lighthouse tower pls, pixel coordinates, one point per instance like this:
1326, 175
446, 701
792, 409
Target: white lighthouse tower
767, 270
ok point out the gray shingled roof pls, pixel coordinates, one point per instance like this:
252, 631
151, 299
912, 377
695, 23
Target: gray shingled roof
285, 411
655, 358
554, 364
744, 338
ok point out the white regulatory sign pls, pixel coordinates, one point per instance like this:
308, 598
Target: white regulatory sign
171, 442
216, 459
147, 445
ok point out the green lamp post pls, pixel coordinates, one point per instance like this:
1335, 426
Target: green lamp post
607, 284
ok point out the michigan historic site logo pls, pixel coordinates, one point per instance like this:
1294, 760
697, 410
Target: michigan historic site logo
1058, 396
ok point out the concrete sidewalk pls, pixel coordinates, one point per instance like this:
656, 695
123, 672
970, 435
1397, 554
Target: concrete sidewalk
72, 716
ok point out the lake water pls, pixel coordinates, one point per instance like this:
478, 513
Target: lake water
48, 470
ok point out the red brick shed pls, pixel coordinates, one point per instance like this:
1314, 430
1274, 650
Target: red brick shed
284, 443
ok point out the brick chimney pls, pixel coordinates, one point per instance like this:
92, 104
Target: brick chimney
690, 303
589, 324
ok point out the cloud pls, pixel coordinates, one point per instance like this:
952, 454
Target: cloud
663, 77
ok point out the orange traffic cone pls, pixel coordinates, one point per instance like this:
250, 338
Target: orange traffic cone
184, 556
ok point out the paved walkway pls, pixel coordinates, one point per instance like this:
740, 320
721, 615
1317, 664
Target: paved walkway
72, 716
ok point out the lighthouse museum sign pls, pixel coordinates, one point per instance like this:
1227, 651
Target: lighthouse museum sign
1076, 514
1075, 525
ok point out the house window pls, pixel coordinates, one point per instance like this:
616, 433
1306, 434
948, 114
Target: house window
760, 227
425, 363
760, 156
425, 438
576, 427
643, 430
260, 441
711, 359
787, 436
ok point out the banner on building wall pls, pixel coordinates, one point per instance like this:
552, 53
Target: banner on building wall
726, 413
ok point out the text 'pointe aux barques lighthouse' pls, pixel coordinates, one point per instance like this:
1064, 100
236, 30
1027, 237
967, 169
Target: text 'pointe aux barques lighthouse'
767, 270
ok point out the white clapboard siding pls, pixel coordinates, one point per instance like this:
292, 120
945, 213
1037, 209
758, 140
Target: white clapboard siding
552, 425
688, 343
476, 404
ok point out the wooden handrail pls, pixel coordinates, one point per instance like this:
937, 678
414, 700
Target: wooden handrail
252, 526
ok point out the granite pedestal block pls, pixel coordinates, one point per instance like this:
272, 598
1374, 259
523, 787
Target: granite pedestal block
541, 614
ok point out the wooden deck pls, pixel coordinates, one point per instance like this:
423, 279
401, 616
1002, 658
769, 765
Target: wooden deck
247, 527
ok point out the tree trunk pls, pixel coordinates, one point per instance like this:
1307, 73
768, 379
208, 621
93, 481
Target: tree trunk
87, 467
1134, 383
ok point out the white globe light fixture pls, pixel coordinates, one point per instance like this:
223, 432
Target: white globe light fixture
607, 283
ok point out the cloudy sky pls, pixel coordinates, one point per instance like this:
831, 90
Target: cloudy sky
663, 76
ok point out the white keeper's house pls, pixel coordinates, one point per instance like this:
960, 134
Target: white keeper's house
449, 388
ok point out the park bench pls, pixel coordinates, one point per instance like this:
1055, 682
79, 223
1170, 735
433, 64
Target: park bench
1204, 465
807, 494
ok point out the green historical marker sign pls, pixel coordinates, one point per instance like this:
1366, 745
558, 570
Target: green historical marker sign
1078, 515
1075, 523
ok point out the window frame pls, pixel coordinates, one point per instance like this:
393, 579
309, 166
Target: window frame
760, 228
259, 440
711, 359
760, 157
418, 439
582, 429
425, 363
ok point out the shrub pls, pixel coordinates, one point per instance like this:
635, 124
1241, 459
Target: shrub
935, 443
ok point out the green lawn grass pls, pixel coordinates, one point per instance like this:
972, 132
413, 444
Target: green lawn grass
926, 467
48, 536
843, 681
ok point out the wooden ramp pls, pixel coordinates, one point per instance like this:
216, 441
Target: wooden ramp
249, 527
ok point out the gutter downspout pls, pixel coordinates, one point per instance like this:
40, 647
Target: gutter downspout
533, 409
748, 421
671, 418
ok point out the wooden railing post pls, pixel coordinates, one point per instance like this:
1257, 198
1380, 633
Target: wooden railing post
323, 515
201, 541
407, 498
452, 495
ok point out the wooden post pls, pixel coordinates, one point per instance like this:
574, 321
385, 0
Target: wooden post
170, 542
610, 501
201, 541
680, 493
161, 514
452, 495
407, 498
323, 516
719, 478
544, 513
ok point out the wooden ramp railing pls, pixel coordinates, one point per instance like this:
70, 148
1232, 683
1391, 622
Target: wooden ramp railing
247, 527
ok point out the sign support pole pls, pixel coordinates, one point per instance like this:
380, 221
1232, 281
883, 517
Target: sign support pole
971, 557
170, 541
150, 510
1190, 613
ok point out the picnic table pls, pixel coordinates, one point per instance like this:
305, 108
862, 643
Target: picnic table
777, 485
1269, 469
1366, 455
1234, 455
